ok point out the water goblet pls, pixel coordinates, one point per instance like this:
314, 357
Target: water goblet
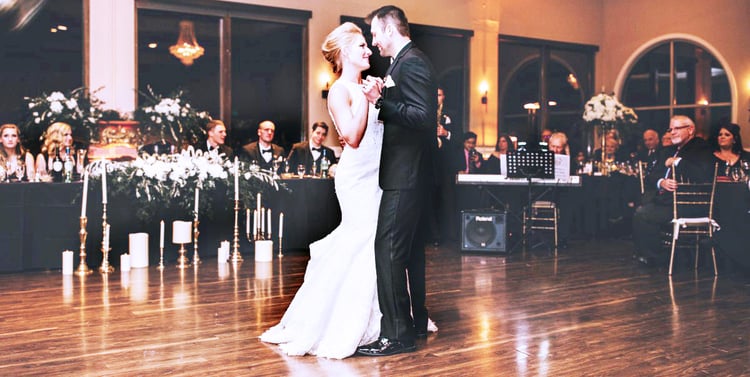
276, 165
20, 169
301, 170
81, 159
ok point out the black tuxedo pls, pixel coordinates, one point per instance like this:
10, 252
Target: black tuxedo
203, 146
301, 154
441, 209
409, 113
696, 165
250, 152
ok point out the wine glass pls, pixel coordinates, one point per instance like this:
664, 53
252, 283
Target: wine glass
276, 165
20, 169
81, 158
301, 170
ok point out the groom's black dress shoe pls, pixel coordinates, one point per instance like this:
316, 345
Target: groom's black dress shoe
385, 347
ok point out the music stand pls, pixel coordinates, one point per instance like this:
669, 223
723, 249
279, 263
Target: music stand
530, 164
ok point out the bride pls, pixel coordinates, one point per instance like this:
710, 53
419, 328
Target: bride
336, 308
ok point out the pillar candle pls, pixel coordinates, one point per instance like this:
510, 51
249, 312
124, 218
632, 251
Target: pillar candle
67, 262
104, 182
255, 223
161, 234
181, 232
125, 262
281, 224
257, 206
85, 193
263, 251
236, 179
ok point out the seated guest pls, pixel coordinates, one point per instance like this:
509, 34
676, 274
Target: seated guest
263, 151
666, 140
612, 150
13, 157
311, 152
565, 199
727, 146
691, 157
216, 134
57, 139
558, 144
649, 153
503, 145
473, 160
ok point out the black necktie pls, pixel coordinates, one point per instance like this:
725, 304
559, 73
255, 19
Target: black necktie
265, 151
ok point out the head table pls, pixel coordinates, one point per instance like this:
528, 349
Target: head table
40, 220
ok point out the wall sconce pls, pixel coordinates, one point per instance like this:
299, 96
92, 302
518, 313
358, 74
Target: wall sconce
325, 80
484, 88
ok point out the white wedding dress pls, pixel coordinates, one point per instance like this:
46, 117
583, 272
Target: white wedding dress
336, 308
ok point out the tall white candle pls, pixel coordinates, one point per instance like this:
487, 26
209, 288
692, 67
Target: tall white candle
262, 221
269, 223
257, 206
281, 224
197, 194
236, 179
247, 220
104, 182
85, 193
106, 237
255, 223
161, 234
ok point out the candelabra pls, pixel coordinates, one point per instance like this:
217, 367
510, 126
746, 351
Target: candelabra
236, 257
281, 254
161, 258
196, 259
83, 268
105, 268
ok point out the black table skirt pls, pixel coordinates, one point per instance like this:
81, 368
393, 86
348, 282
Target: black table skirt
40, 220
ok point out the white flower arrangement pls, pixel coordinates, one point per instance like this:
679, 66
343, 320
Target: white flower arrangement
605, 108
171, 114
163, 181
78, 108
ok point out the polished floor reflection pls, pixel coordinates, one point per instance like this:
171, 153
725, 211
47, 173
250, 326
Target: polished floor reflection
590, 311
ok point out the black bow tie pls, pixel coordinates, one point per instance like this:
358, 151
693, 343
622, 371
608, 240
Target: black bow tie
266, 151
317, 149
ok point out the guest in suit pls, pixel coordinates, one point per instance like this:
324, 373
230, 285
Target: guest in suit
263, 151
408, 108
472, 160
311, 152
691, 157
649, 153
442, 212
216, 134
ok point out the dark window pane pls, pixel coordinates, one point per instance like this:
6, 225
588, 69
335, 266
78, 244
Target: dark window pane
688, 70
720, 91
266, 79
34, 60
648, 81
165, 73
655, 119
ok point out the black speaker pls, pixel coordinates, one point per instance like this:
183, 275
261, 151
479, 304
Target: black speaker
483, 230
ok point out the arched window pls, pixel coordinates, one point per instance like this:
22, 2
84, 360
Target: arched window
678, 77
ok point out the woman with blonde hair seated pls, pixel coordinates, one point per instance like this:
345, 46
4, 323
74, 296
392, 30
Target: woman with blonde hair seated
15, 161
57, 139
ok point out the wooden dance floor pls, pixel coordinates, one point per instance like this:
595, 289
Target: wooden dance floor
592, 311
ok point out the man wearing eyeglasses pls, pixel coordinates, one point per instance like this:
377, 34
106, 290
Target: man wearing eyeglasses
690, 156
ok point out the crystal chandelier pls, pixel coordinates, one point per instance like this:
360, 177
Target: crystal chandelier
187, 48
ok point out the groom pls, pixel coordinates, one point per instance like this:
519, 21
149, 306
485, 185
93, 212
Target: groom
408, 108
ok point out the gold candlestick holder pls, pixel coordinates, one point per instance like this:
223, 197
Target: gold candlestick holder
83, 268
196, 259
281, 253
105, 268
161, 259
182, 260
236, 256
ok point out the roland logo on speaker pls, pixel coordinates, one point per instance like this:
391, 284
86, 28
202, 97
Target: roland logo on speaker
484, 218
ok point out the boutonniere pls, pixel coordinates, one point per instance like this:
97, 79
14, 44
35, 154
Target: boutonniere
389, 82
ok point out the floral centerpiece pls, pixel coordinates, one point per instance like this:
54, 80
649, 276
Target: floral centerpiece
79, 108
162, 182
607, 112
171, 115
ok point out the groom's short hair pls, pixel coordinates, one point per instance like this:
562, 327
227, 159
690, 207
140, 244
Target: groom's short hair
393, 13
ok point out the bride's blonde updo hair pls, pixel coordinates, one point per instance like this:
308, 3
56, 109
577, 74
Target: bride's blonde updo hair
339, 39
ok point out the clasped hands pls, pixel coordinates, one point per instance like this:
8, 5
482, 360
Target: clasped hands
669, 184
372, 87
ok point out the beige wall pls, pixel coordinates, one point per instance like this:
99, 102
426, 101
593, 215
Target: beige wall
619, 27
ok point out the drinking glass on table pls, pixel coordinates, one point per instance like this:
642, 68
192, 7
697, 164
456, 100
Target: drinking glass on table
301, 170
80, 160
